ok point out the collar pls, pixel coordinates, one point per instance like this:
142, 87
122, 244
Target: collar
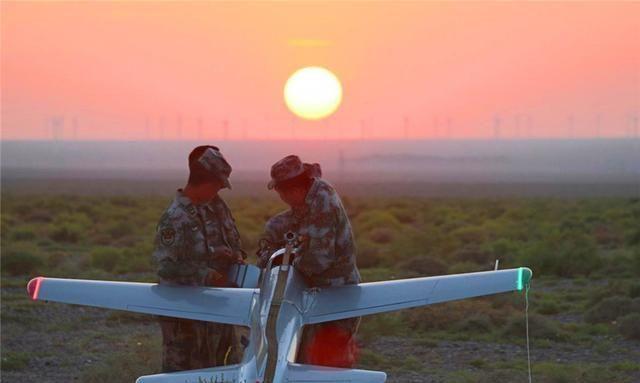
313, 190
186, 203
308, 200
213, 203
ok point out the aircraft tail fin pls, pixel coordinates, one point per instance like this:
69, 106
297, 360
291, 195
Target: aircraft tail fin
226, 374
299, 373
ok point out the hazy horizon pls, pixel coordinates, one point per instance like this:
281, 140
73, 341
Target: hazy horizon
416, 161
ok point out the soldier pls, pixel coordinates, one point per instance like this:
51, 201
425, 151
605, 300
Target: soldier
327, 254
196, 243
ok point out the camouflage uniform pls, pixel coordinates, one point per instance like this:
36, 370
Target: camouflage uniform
328, 254
185, 238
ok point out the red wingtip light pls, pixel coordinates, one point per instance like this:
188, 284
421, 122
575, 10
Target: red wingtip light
33, 287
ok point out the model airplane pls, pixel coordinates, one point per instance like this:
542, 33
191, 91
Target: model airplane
275, 306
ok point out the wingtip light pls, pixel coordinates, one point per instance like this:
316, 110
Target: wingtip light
524, 277
33, 287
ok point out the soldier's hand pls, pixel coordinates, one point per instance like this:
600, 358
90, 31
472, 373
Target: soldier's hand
239, 257
262, 262
213, 278
222, 252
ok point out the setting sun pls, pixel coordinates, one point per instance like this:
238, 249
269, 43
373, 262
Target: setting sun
313, 93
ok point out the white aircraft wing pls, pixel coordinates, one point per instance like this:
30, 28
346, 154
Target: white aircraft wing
223, 305
342, 302
295, 373
226, 374
304, 373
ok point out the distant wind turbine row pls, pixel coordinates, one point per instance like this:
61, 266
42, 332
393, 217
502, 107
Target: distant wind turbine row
518, 126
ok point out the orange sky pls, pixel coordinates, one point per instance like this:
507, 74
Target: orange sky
140, 70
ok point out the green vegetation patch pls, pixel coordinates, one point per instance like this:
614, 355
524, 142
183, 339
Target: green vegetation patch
609, 309
585, 255
141, 357
629, 326
14, 361
576, 373
539, 328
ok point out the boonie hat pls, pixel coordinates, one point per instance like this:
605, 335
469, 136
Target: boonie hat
215, 163
290, 167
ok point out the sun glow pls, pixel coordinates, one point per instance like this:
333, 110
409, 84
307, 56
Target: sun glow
313, 93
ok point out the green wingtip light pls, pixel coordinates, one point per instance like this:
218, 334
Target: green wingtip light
524, 276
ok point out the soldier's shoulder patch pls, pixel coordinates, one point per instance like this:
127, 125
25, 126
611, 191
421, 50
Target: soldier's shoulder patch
167, 236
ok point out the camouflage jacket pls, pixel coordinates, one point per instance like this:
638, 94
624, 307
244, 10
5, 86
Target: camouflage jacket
328, 253
186, 236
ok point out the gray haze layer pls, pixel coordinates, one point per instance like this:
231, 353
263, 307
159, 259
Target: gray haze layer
404, 167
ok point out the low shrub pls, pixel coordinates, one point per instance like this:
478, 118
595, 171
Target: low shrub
635, 265
15, 361
124, 201
142, 358
453, 315
564, 256
635, 306
118, 318
369, 256
539, 328
56, 259
476, 323
129, 263
20, 263
503, 249
470, 235
626, 366
381, 235
372, 219
39, 216
371, 360
472, 253
424, 266
120, 229
464, 267
404, 215
548, 308
381, 325
66, 232
607, 236
613, 288
105, 258
377, 274
23, 234
629, 326
634, 290
608, 309
616, 263
549, 372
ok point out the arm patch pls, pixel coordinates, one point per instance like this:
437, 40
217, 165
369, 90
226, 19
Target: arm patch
168, 236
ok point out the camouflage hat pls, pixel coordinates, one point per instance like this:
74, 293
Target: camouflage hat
214, 162
290, 167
